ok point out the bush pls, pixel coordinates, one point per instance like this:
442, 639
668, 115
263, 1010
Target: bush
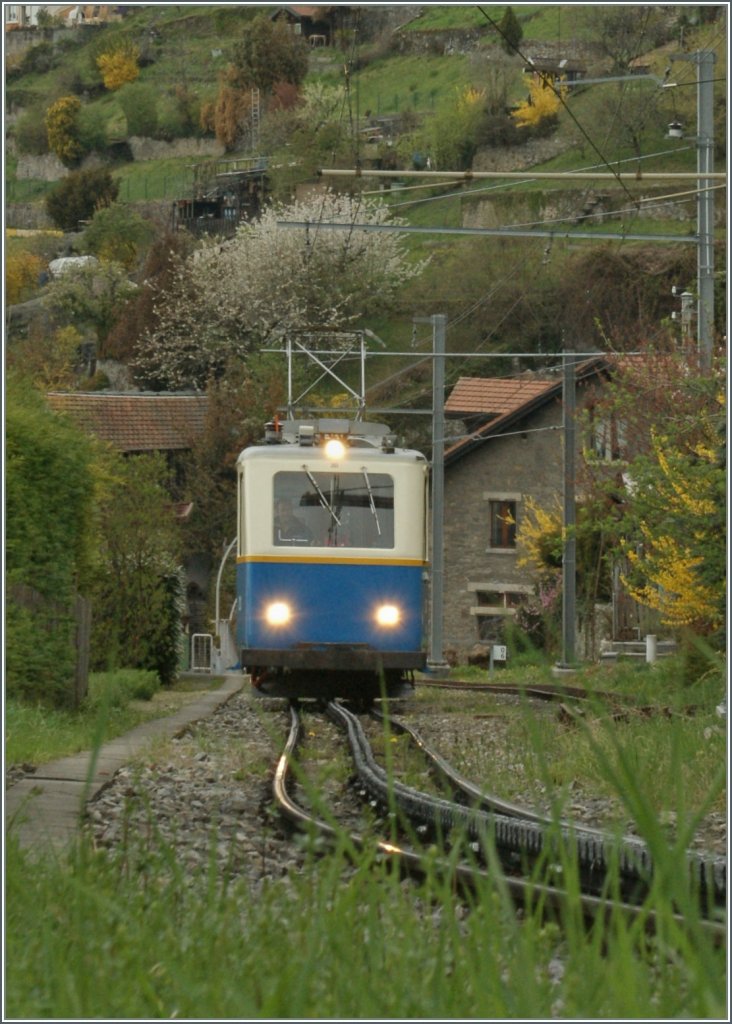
62, 125
139, 105
22, 270
118, 233
116, 689
49, 501
30, 133
138, 589
119, 66
79, 195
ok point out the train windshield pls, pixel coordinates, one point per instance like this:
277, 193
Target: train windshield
344, 510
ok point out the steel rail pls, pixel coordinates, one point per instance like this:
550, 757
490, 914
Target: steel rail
468, 879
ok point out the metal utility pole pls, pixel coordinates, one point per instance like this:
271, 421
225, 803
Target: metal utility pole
436, 659
704, 61
569, 556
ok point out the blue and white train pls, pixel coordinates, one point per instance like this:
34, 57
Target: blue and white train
331, 560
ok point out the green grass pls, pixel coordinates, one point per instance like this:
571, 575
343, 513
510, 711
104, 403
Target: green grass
678, 752
132, 934
167, 178
35, 734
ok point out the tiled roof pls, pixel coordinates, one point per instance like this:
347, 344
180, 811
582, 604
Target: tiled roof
136, 422
492, 396
529, 401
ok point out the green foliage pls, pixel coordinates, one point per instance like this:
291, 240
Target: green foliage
269, 53
21, 275
674, 512
91, 296
453, 134
49, 534
116, 689
77, 197
92, 126
62, 126
510, 31
118, 234
139, 102
30, 133
137, 590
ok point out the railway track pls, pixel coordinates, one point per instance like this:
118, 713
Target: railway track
493, 835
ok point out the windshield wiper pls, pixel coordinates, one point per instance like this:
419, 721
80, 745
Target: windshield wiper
371, 501
323, 499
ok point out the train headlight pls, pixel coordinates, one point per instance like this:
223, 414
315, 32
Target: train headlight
278, 613
388, 615
334, 449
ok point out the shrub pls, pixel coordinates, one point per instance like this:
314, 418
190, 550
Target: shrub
62, 126
30, 133
118, 233
139, 105
49, 500
22, 270
79, 195
120, 65
92, 127
137, 590
116, 689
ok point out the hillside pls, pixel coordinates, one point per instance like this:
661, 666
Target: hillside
430, 83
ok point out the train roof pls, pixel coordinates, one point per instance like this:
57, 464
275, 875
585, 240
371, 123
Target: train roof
294, 435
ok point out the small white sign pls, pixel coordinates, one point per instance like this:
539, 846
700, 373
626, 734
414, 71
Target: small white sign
499, 652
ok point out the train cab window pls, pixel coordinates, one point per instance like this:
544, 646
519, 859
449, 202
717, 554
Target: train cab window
344, 510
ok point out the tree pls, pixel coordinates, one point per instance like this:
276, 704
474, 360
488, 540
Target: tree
90, 297
268, 53
77, 197
453, 136
47, 358
510, 31
667, 494
119, 66
139, 104
676, 555
118, 234
623, 33
232, 298
62, 127
137, 317
238, 407
137, 588
229, 116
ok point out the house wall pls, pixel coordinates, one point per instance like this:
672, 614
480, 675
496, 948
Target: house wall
515, 467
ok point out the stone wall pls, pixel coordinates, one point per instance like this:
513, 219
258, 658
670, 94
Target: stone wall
157, 149
524, 465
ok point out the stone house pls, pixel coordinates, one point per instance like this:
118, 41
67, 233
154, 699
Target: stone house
512, 451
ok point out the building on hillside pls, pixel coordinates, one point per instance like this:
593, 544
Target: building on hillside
19, 16
320, 26
225, 193
512, 452
552, 70
137, 423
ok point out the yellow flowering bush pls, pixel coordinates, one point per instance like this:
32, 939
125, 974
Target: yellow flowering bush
119, 66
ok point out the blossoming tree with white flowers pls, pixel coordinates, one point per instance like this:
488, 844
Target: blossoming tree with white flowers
230, 299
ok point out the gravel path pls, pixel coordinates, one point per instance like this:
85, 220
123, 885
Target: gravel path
208, 792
